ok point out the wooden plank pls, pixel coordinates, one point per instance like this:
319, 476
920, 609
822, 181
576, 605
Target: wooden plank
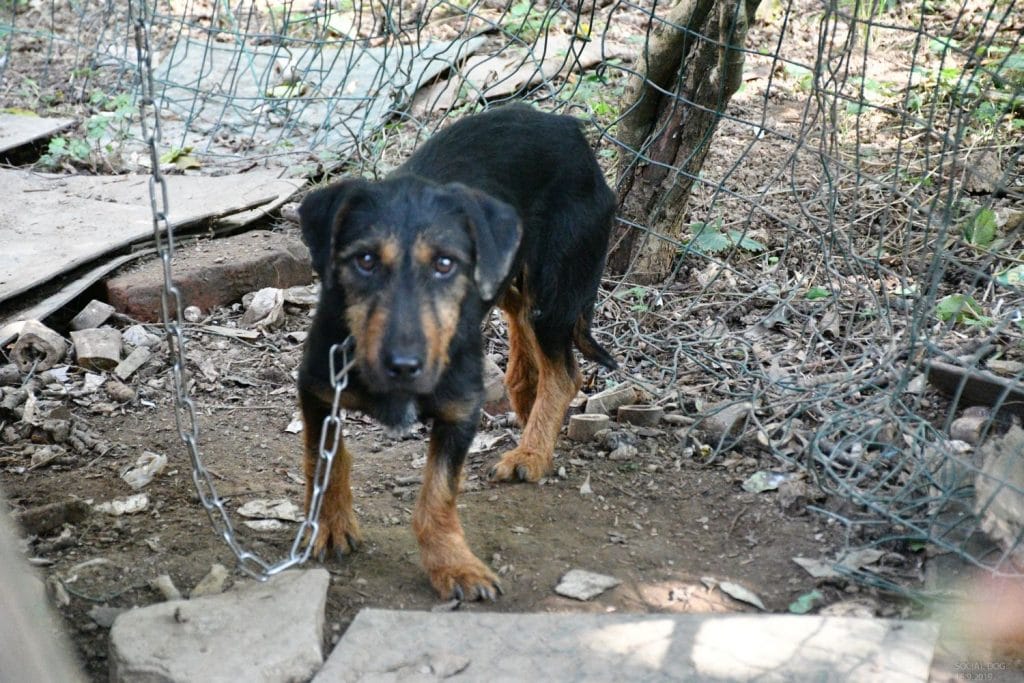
975, 386
22, 129
44, 303
52, 223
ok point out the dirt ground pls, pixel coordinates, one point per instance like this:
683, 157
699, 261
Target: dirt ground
671, 520
663, 522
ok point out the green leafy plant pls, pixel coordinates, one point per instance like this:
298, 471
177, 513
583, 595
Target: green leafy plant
526, 20
947, 84
866, 12
941, 45
1007, 67
806, 602
603, 96
803, 76
61, 149
636, 296
10, 7
101, 133
181, 157
709, 238
980, 229
962, 309
816, 292
1011, 277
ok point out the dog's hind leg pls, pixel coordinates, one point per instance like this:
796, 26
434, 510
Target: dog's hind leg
547, 382
521, 375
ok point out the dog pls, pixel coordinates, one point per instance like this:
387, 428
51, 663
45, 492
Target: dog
506, 208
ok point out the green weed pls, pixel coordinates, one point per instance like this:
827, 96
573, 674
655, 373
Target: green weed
709, 238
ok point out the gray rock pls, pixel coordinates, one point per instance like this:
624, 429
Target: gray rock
212, 583
138, 336
261, 632
998, 501
970, 426
607, 402
583, 585
104, 615
93, 315
725, 419
623, 452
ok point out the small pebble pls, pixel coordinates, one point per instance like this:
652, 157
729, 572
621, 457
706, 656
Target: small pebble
623, 452
119, 391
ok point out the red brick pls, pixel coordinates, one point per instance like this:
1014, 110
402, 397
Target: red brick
213, 273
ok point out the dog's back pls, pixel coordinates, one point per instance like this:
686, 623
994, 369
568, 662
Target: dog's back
517, 154
542, 165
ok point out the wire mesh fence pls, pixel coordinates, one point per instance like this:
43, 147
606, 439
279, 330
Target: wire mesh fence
825, 275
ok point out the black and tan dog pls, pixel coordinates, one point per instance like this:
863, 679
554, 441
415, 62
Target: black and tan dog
506, 208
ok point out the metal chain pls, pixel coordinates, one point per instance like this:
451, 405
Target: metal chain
341, 357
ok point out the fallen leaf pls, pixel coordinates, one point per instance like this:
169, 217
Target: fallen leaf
124, 506
295, 426
484, 442
271, 509
738, 592
819, 569
762, 481
862, 557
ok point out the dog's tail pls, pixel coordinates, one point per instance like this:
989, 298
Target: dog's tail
588, 346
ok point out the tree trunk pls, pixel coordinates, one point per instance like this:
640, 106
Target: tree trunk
693, 65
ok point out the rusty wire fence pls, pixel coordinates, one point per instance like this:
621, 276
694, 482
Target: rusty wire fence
825, 278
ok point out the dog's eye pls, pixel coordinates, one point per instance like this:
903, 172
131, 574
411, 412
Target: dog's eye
443, 266
366, 262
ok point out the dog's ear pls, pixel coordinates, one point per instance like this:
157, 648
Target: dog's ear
497, 231
320, 214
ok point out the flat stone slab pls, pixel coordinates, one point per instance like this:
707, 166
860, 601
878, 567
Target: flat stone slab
54, 223
383, 645
261, 632
214, 273
21, 129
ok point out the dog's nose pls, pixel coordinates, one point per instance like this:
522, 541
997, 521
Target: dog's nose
403, 367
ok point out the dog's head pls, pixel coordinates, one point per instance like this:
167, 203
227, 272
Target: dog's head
405, 261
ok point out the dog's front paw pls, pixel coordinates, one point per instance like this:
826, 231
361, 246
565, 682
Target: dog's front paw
469, 580
338, 532
521, 464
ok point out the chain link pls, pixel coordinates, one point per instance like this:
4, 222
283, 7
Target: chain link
341, 357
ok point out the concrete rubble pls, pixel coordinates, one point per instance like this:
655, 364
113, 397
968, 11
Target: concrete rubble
260, 632
383, 645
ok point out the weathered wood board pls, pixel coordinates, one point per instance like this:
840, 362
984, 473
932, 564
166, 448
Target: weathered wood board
50, 224
21, 129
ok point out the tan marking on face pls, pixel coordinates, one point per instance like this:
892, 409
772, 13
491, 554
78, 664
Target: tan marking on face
389, 252
368, 330
422, 253
439, 319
